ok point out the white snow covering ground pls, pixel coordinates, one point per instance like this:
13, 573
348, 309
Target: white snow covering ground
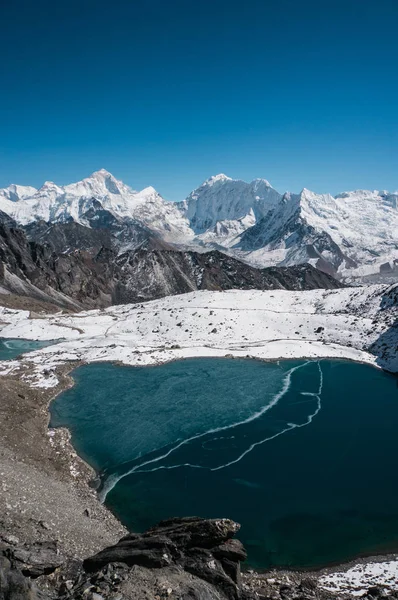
268, 325
358, 579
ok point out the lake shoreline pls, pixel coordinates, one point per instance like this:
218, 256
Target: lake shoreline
71, 462
321, 571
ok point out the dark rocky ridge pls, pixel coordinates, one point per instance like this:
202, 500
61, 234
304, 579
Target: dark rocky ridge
94, 274
63, 238
104, 229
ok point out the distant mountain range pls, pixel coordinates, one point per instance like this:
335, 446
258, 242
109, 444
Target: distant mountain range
353, 235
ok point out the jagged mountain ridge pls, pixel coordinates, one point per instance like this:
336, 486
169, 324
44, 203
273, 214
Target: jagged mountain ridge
355, 231
82, 201
92, 277
354, 234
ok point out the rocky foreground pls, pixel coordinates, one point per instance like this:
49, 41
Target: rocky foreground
185, 559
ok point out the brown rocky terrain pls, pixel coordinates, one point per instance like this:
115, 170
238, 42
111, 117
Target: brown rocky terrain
90, 273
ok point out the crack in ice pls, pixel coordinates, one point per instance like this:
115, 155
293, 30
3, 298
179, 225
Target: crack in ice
112, 480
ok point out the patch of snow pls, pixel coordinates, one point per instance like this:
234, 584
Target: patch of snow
357, 580
268, 325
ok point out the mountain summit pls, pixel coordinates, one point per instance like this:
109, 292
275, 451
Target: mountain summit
353, 234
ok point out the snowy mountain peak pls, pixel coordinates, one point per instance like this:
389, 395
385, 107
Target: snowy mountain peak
49, 186
15, 192
100, 184
106, 179
217, 178
149, 191
261, 180
222, 200
102, 173
353, 232
308, 194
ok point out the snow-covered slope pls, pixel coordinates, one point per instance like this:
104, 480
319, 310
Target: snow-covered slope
354, 234
222, 206
54, 203
355, 323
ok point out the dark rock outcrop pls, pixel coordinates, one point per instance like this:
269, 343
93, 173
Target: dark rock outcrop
188, 558
179, 559
153, 274
6, 220
21, 565
94, 275
67, 237
202, 547
69, 280
40, 558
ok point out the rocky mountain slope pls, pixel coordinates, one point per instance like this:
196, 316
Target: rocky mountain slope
353, 235
75, 268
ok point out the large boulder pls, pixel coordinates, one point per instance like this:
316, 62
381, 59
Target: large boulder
203, 548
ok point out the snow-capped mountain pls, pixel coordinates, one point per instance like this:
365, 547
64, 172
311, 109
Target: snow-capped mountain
354, 234
52, 203
222, 207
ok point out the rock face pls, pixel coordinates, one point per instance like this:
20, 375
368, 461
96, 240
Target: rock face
190, 558
30, 269
179, 559
20, 565
67, 237
203, 548
96, 275
222, 205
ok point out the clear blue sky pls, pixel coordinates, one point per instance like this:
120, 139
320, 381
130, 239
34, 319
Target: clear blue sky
170, 92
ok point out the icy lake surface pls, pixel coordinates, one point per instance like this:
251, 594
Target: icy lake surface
302, 453
12, 348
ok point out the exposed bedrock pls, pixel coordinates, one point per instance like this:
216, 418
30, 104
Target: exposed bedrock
179, 559
202, 548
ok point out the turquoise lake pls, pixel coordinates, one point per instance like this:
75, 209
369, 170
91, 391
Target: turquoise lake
10, 348
302, 453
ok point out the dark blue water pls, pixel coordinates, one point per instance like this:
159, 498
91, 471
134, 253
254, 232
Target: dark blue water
302, 454
11, 348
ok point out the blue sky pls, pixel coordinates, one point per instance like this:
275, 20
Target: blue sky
168, 93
